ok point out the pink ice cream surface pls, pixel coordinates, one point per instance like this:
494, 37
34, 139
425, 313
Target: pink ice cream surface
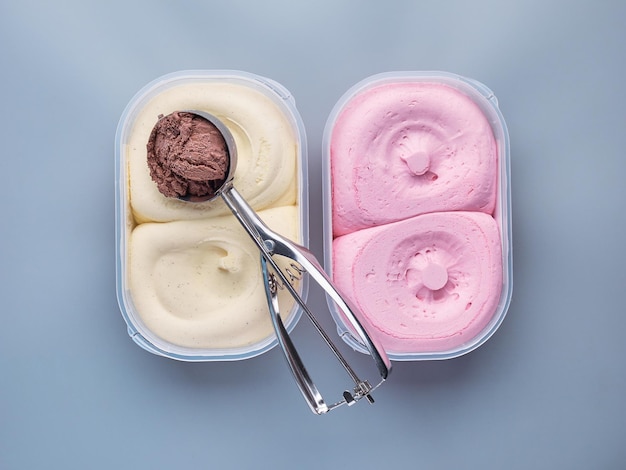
426, 284
408, 148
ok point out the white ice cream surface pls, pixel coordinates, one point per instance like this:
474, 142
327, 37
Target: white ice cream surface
198, 283
192, 272
266, 150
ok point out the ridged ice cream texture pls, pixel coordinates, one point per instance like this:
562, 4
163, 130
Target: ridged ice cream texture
264, 137
428, 283
198, 284
404, 149
193, 272
414, 170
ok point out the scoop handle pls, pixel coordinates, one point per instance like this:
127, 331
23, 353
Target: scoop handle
271, 243
301, 376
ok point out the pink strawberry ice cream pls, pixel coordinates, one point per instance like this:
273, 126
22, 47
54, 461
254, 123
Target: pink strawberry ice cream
408, 148
428, 283
416, 214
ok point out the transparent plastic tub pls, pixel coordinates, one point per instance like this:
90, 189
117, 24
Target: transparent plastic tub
210, 91
486, 101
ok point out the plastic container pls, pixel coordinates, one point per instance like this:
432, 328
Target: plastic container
488, 104
186, 88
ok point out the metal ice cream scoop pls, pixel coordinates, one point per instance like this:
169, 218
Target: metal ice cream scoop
271, 244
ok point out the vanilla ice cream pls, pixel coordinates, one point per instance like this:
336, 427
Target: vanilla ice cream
267, 149
189, 278
197, 283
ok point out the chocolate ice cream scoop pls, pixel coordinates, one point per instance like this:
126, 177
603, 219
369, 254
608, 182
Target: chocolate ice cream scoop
187, 156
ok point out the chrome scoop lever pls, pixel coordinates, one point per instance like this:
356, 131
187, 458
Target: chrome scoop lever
304, 262
300, 374
307, 387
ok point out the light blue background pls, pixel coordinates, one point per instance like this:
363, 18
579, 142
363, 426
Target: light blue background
547, 391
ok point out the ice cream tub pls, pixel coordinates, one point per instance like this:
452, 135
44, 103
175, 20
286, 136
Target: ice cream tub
188, 276
417, 212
